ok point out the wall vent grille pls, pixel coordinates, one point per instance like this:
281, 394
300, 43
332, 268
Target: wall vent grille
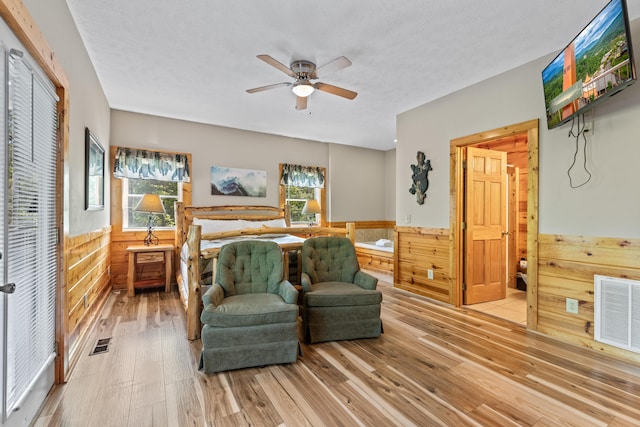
617, 312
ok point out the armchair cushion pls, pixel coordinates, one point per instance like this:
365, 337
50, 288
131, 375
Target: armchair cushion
330, 259
246, 267
334, 294
249, 309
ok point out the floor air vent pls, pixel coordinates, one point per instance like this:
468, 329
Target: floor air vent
617, 312
102, 346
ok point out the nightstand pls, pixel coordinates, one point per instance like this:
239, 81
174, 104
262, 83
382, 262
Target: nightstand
141, 255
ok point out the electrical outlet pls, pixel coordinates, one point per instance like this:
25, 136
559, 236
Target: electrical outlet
588, 127
572, 305
407, 219
430, 274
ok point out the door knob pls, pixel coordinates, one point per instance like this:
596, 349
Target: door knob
9, 288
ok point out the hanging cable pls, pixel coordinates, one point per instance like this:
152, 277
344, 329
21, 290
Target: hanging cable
581, 132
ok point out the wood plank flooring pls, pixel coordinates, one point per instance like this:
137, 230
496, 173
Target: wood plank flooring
433, 366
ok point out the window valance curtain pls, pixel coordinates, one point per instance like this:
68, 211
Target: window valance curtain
142, 164
302, 176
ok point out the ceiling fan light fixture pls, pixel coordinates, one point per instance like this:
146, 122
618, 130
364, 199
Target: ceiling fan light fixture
303, 88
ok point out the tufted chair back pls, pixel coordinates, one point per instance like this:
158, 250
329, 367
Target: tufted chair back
329, 259
250, 267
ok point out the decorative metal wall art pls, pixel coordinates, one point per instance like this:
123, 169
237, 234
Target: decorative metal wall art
420, 177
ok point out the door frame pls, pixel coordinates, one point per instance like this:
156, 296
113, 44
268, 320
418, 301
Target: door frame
18, 18
456, 212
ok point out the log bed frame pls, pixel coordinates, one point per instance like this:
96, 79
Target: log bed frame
192, 235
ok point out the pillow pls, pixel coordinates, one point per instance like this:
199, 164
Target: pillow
273, 223
218, 225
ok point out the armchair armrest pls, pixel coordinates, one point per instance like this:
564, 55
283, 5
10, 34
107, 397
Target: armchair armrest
213, 296
365, 280
305, 281
288, 293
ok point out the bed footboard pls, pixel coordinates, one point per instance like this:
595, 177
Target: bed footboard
194, 299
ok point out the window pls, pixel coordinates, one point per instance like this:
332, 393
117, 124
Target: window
296, 197
299, 184
132, 191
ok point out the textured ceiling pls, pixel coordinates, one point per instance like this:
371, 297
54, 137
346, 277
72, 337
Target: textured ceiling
194, 59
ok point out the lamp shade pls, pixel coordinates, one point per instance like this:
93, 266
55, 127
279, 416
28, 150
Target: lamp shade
150, 203
311, 207
303, 88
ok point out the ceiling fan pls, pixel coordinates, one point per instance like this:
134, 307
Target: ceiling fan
303, 72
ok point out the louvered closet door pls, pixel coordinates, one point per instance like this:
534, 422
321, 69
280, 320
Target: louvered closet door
29, 244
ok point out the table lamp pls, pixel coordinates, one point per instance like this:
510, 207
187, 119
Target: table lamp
311, 207
152, 204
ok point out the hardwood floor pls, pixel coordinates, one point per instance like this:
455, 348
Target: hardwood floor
434, 365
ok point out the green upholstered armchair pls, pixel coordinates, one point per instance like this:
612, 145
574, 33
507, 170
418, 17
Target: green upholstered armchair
340, 301
250, 313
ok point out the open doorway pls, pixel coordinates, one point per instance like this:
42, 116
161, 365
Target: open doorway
494, 221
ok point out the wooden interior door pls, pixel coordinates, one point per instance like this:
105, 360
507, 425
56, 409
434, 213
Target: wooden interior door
485, 249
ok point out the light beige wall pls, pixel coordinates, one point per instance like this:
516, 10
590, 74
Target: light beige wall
609, 205
88, 106
390, 185
219, 146
357, 184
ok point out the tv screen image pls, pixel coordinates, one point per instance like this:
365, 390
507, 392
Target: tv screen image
596, 64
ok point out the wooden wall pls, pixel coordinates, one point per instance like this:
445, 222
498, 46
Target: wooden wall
417, 251
566, 268
88, 280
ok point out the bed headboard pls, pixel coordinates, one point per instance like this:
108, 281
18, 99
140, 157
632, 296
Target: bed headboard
186, 214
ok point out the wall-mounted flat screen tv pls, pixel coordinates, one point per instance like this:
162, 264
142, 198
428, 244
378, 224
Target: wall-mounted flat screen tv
596, 64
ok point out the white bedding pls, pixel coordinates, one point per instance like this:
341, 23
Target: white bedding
375, 245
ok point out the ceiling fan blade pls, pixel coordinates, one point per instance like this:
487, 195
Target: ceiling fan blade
269, 60
273, 86
335, 90
301, 103
331, 67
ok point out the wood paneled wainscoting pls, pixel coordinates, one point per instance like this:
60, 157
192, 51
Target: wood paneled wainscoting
88, 280
417, 251
566, 268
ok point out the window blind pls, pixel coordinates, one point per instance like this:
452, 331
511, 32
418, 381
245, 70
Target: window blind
30, 228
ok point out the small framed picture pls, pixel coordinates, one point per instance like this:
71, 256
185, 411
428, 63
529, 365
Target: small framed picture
94, 173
